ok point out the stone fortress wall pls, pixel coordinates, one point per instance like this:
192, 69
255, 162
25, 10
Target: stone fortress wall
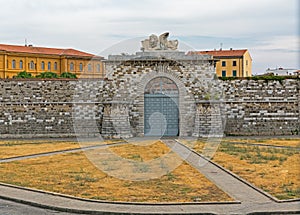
59, 108
114, 107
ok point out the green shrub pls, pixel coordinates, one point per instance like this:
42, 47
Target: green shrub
262, 77
68, 75
228, 78
47, 75
23, 74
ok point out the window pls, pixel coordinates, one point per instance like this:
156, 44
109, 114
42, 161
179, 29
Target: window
43, 65
55, 66
21, 64
246, 62
234, 73
71, 66
31, 65
80, 67
98, 67
89, 67
234, 63
13, 64
49, 66
223, 63
223, 73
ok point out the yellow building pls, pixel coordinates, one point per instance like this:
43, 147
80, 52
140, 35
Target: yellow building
231, 63
35, 60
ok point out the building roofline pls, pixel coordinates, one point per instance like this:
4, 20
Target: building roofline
46, 51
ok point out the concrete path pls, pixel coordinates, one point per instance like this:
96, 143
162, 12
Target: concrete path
250, 199
13, 208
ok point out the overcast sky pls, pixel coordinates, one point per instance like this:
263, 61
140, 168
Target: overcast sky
268, 28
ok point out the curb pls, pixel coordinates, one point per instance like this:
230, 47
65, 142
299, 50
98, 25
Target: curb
116, 202
241, 179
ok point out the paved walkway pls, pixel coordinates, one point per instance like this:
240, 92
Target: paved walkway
250, 199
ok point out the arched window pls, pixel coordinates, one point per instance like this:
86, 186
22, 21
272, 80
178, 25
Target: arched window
98, 67
49, 66
55, 66
31, 65
21, 64
71, 66
13, 64
161, 85
43, 65
89, 67
80, 67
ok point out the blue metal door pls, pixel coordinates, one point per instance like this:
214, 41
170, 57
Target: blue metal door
161, 108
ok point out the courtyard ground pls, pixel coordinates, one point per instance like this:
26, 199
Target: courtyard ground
261, 162
74, 174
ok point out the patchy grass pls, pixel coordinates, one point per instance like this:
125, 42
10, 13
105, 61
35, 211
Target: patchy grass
13, 148
137, 152
272, 169
74, 174
291, 142
27, 147
275, 170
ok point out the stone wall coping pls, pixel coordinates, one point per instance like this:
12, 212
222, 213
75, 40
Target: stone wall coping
52, 79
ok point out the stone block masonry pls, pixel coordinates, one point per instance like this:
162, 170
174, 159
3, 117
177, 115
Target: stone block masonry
262, 107
60, 108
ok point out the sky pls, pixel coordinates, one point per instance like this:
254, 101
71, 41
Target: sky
269, 29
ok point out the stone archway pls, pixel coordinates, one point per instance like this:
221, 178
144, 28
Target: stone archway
161, 107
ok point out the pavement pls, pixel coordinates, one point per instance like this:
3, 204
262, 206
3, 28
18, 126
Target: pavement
249, 199
13, 208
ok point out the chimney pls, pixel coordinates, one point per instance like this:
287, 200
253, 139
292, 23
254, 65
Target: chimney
230, 49
30, 45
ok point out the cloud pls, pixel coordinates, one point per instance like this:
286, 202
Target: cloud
94, 25
280, 43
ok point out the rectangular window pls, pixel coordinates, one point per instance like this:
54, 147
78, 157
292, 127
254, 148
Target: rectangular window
21, 64
234, 73
223, 73
71, 66
246, 62
13, 64
223, 63
49, 66
55, 66
31, 65
234, 63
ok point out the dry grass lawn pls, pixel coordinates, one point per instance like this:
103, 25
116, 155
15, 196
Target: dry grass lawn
274, 170
74, 174
13, 148
292, 142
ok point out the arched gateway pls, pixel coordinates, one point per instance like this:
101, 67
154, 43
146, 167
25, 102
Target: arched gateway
159, 91
161, 113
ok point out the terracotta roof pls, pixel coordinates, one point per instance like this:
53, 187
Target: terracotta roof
221, 53
43, 50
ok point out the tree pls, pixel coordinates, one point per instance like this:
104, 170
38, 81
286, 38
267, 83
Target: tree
68, 75
23, 74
